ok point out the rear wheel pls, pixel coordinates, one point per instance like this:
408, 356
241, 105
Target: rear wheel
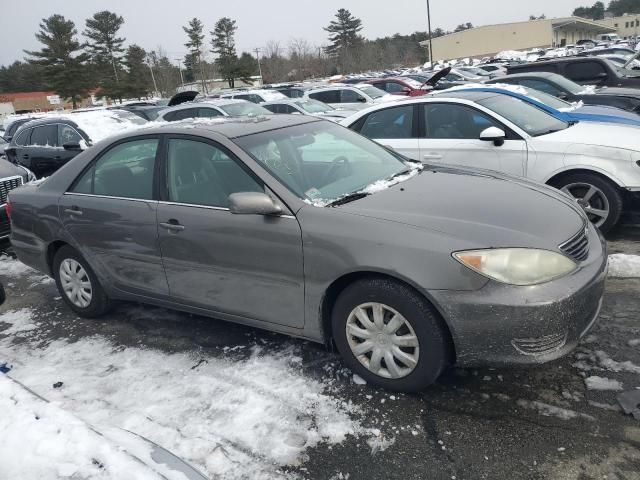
389, 335
78, 285
599, 198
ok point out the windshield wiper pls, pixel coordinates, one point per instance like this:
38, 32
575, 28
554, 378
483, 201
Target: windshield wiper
351, 197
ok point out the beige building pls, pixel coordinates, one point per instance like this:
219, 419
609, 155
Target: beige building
627, 26
491, 39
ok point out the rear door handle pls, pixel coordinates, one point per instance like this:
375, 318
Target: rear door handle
73, 211
174, 227
25, 156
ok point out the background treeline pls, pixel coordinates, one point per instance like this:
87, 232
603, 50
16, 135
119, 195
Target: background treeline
616, 7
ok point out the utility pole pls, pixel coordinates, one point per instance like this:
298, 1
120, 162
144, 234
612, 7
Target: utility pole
153, 77
180, 70
430, 35
257, 50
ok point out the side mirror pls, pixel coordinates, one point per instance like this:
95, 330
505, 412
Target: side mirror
72, 146
493, 134
253, 203
406, 90
362, 100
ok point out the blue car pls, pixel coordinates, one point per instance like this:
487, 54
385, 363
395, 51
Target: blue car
554, 106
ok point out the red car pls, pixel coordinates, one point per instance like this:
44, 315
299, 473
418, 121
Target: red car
407, 87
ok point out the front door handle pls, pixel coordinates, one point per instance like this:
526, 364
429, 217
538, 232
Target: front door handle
432, 156
172, 226
25, 156
73, 211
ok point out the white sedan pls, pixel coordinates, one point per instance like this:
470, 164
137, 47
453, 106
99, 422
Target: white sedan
350, 97
596, 163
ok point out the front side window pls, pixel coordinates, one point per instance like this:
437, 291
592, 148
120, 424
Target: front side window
208, 113
124, 171
393, 87
390, 123
453, 121
184, 114
68, 134
582, 71
199, 173
45, 136
349, 96
329, 96
320, 161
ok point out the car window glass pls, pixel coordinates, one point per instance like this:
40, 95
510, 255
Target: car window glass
392, 87
68, 134
582, 71
124, 171
349, 96
451, 121
396, 122
542, 86
272, 108
184, 114
45, 136
199, 173
22, 138
208, 113
330, 96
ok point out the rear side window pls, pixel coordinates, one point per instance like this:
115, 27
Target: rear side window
585, 71
329, 96
392, 87
68, 134
125, 171
349, 96
45, 136
208, 112
23, 137
390, 123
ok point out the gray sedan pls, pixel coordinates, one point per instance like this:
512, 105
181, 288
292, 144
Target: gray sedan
300, 226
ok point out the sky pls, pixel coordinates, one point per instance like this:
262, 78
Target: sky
153, 23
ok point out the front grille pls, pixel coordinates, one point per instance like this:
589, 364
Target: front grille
540, 345
6, 185
577, 247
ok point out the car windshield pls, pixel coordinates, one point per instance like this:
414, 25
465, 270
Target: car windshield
567, 85
124, 116
314, 106
372, 91
244, 109
529, 118
322, 162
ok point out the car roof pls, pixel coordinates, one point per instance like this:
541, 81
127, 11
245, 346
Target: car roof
216, 102
559, 60
230, 127
473, 96
48, 120
525, 74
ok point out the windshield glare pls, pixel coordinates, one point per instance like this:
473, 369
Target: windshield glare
321, 162
244, 109
529, 118
314, 106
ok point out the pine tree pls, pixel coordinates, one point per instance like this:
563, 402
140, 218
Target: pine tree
343, 35
106, 51
62, 58
195, 43
136, 80
224, 46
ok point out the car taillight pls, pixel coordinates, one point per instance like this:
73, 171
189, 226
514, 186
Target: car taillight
7, 208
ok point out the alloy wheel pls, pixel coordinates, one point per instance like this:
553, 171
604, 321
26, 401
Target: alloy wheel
382, 340
75, 282
592, 200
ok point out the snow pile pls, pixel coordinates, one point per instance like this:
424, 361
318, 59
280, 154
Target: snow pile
624, 266
600, 383
599, 360
10, 267
19, 320
232, 418
46, 443
381, 185
552, 411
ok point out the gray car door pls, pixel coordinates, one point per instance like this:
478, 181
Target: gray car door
110, 212
242, 265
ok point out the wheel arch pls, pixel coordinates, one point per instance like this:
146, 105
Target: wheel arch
52, 249
337, 286
580, 170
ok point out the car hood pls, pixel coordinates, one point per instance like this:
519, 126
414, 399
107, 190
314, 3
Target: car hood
607, 110
627, 92
596, 134
487, 209
8, 169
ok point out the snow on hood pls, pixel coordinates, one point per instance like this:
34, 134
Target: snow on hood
588, 90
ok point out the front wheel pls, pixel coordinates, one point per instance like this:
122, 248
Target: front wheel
389, 335
78, 285
599, 198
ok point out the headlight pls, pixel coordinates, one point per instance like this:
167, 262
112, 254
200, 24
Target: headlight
30, 175
517, 266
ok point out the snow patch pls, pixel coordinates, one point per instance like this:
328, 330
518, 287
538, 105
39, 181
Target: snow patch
233, 419
624, 266
552, 411
601, 383
12, 268
19, 320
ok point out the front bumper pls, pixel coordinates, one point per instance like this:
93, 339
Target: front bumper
504, 324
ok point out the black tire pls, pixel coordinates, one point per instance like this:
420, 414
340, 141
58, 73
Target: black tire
434, 343
609, 189
100, 303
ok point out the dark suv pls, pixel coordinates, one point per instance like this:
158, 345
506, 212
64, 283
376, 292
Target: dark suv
11, 176
44, 145
584, 70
